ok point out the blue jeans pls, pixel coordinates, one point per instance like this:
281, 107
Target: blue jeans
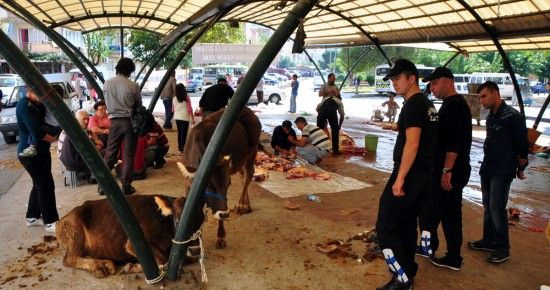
292, 103
494, 190
168, 114
311, 153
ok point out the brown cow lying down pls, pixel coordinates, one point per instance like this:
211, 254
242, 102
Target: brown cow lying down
94, 239
239, 154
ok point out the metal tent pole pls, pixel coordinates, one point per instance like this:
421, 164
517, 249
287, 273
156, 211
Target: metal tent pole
180, 57
316, 66
53, 102
85, 59
541, 112
153, 57
493, 33
195, 201
353, 66
54, 37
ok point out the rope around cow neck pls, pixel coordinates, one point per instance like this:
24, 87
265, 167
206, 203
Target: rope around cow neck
196, 235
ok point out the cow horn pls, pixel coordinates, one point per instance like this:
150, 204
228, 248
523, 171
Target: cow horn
184, 171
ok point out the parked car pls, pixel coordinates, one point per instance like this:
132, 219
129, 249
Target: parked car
8, 119
270, 80
272, 94
7, 83
279, 77
194, 83
539, 88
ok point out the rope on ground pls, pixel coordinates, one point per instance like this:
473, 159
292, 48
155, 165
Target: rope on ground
162, 269
196, 235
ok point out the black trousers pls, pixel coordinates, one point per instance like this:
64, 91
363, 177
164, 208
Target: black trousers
168, 113
396, 224
445, 207
183, 127
42, 198
121, 132
328, 112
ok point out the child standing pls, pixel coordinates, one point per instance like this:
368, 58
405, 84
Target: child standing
183, 113
392, 106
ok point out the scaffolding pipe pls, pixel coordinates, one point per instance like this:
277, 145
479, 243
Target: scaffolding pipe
505, 60
53, 102
54, 37
195, 201
316, 66
541, 112
353, 66
180, 57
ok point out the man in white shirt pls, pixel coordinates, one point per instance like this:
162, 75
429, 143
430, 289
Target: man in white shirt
314, 144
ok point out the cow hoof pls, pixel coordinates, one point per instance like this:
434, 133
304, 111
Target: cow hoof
104, 268
221, 244
243, 209
131, 268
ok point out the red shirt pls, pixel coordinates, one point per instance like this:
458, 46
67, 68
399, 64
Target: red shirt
157, 131
103, 123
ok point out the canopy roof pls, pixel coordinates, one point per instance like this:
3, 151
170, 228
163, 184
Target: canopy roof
331, 22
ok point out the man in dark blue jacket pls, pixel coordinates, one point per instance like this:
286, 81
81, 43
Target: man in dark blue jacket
505, 157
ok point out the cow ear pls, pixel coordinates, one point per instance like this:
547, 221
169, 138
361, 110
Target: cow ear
164, 205
225, 160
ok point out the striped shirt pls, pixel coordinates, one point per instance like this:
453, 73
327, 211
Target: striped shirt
316, 136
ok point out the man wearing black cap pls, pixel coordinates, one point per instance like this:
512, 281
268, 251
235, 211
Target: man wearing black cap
409, 182
215, 97
280, 139
451, 172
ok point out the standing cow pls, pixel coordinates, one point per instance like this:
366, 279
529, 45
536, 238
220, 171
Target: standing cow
95, 241
238, 155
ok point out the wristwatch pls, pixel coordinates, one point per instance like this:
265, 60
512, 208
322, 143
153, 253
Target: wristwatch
445, 170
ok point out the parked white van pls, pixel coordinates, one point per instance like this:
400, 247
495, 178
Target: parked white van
504, 83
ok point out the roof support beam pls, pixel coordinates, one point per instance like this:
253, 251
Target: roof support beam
118, 27
195, 200
53, 102
493, 33
111, 15
316, 66
354, 65
55, 37
180, 57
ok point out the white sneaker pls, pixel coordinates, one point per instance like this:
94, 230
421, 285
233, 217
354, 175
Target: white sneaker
32, 222
51, 227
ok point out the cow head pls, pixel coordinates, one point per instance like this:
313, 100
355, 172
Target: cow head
216, 189
169, 206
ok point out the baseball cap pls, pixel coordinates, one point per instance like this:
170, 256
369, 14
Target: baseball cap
399, 66
439, 72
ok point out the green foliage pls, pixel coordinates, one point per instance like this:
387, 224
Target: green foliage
144, 44
525, 63
98, 45
48, 56
286, 61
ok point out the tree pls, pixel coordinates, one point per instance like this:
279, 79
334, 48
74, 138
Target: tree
286, 61
223, 33
98, 45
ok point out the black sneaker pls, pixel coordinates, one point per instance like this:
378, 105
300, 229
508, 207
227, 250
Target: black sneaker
447, 262
128, 189
395, 284
481, 245
498, 256
421, 253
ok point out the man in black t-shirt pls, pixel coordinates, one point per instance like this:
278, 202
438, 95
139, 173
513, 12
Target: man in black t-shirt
409, 182
279, 140
451, 172
215, 97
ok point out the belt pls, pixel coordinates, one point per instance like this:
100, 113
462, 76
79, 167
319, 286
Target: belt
120, 118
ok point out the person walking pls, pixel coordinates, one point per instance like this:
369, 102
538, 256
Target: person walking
505, 157
183, 113
409, 182
294, 85
121, 96
30, 114
451, 171
167, 96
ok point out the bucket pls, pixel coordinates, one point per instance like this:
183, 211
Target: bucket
371, 142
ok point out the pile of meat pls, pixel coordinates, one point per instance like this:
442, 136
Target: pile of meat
265, 163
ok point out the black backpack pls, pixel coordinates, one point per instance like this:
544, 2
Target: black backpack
142, 120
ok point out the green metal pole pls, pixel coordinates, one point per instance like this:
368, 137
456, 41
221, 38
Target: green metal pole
51, 99
54, 37
316, 66
353, 66
180, 57
85, 59
195, 201
153, 57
